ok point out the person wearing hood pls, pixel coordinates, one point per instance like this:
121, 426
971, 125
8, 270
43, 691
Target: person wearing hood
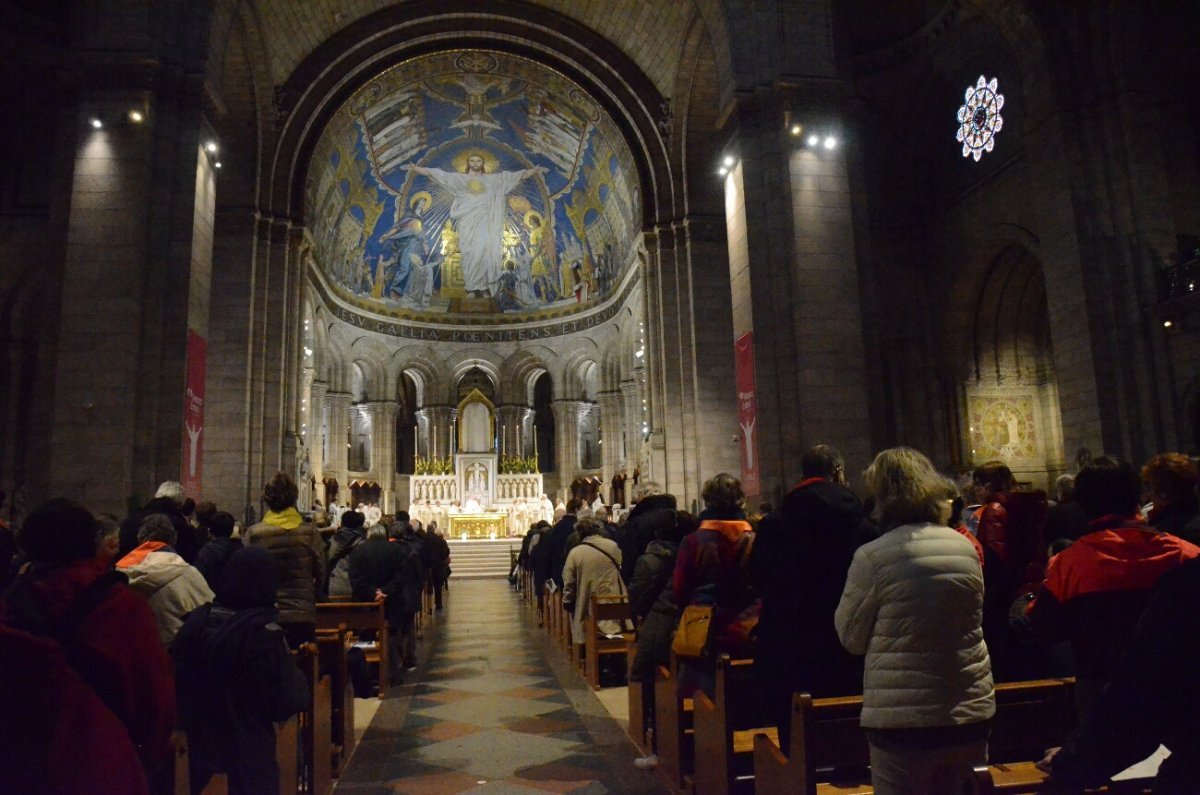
711, 571
349, 535
299, 555
220, 548
171, 585
235, 678
652, 512
801, 555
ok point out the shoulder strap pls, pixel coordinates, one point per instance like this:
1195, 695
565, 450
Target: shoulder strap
611, 559
33, 618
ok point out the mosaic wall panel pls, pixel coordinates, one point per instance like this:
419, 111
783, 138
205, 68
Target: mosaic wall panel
469, 184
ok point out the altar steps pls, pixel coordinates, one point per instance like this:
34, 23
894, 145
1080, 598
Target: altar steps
481, 559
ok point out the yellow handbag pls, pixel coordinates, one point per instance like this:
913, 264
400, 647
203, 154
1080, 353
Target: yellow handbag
692, 634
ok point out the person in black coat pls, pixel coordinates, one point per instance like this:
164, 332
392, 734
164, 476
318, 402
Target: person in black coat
168, 500
216, 553
1153, 698
550, 555
440, 571
236, 678
799, 563
389, 569
649, 515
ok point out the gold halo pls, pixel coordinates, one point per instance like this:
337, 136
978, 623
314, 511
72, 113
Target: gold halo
491, 163
421, 195
529, 216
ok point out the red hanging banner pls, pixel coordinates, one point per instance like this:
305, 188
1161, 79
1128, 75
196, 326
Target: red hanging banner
743, 350
193, 416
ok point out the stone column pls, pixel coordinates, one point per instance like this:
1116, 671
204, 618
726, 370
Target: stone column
439, 431
315, 438
337, 430
510, 420
631, 393
527, 444
567, 414
612, 425
383, 415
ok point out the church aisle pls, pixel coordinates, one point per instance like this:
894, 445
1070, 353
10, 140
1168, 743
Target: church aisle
493, 709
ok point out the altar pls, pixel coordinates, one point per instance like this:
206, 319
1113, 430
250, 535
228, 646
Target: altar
478, 525
467, 493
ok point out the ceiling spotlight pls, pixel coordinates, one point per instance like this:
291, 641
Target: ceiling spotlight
217, 164
96, 123
830, 142
722, 171
211, 147
1167, 324
813, 140
728, 161
797, 129
136, 116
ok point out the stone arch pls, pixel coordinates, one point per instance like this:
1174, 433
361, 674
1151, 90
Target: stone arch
424, 369
520, 372
327, 77
465, 361
571, 382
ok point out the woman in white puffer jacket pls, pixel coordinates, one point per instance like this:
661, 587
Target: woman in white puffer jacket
913, 604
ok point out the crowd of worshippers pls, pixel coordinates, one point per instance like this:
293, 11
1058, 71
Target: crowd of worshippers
920, 600
113, 634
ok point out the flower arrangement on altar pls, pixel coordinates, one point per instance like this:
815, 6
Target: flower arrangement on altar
432, 466
518, 465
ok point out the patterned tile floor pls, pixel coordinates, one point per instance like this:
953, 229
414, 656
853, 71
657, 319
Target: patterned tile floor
493, 708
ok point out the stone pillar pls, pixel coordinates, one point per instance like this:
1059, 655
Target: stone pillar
383, 449
567, 414
337, 440
509, 426
315, 438
794, 280
631, 393
612, 425
437, 431
135, 204
526, 440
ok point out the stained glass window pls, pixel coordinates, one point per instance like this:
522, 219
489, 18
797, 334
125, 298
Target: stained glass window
979, 118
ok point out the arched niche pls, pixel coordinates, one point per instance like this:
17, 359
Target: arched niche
476, 423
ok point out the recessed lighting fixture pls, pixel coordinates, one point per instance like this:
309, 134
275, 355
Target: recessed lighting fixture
813, 140
96, 123
136, 116
830, 142
211, 147
722, 171
1167, 324
797, 129
217, 164
728, 161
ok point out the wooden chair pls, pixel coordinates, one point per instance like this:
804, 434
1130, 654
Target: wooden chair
725, 727
359, 618
334, 646
674, 736
596, 644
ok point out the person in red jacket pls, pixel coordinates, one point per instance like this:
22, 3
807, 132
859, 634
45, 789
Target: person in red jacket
106, 630
1096, 589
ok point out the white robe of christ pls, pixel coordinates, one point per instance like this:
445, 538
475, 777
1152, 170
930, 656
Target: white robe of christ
478, 213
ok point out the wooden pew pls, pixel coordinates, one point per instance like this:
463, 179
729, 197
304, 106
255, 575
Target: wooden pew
316, 724
725, 727
287, 755
596, 645
825, 734
674, 737
640, 699
360, 617
333, 646
827, 744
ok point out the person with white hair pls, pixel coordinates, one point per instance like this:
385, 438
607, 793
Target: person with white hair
171, 586
168, 501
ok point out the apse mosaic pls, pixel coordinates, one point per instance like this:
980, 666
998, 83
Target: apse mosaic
465, 184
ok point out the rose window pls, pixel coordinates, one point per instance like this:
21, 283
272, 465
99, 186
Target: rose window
979, 118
